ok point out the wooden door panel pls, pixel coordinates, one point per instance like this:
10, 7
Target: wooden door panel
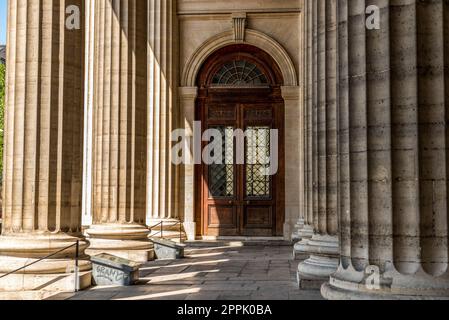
222, 216
258, 217
221, 113
248, 205
222, 220
258, 220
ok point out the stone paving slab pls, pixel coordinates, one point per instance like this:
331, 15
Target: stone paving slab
225, 273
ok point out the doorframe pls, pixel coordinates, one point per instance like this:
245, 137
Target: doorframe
271, 69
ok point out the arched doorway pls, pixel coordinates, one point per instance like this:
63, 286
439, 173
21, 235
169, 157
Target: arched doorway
240, 91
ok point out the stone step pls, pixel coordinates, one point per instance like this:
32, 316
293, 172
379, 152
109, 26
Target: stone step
27, 295
239, 243
44, 282
41, 287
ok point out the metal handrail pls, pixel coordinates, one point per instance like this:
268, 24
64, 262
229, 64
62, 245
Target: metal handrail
77, 245
162, 229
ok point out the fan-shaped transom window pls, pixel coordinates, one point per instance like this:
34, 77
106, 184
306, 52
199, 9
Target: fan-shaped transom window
239, 73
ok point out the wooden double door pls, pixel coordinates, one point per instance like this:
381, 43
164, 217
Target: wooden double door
240, 196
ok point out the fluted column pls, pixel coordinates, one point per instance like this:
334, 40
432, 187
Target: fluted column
43, 143
323, 246
394, 228
89, 72
307, 231
304, 226
163, 191
120, 131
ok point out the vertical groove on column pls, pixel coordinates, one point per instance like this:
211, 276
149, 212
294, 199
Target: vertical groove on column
315, 115
74, 80
446, 91
380, 224
104, 165
432, 137
99, 113
151, 93
119, 23
343, 114
31, 147
310, 86
322, 134
18, 121
404, 113
9, 98
164, 103
358, 133
331, 119
161, 178
139, 116
126, 89
303, 121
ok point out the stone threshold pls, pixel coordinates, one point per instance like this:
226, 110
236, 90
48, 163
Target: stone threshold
239, 242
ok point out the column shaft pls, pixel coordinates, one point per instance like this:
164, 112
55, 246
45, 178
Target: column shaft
305, 228
120, 131
43, 142
323, 246
162, 120
163, 183
344, 186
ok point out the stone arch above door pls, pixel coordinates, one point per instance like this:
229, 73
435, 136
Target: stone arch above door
252, 37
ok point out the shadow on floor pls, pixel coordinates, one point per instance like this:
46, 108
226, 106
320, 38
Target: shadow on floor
213, 273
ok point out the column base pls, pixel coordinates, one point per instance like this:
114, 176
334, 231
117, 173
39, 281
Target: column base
300, 250
190, 229
306, 232
298, 226
349, 284
53, 274
322, 263
127, 241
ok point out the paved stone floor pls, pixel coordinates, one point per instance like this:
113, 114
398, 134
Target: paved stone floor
213, 273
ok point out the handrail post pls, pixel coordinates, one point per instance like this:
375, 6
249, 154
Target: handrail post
77, 252
162, 230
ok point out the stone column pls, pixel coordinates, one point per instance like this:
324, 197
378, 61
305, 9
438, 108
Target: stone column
162, 204
304, 226
43, 146
323, 247
394, 230
293, 181
187, 99
89, 72
120, 132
